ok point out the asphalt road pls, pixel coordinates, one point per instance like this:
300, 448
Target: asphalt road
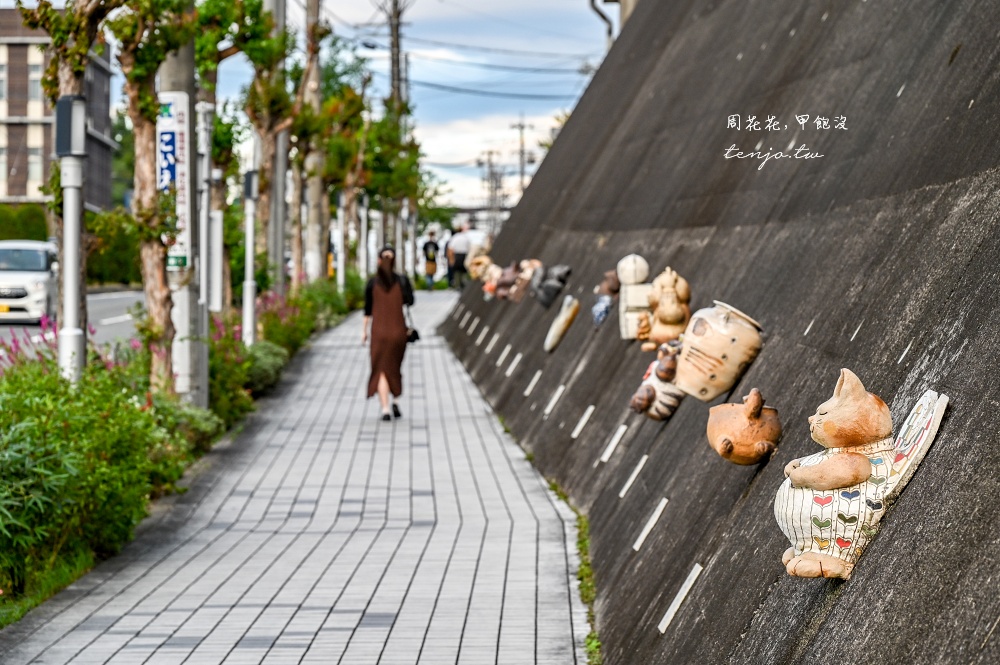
108, 312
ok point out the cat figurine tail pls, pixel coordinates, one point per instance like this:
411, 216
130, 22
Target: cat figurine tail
831, 503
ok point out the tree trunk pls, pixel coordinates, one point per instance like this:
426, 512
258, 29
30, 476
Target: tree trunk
268, 143
295, 209
153, 253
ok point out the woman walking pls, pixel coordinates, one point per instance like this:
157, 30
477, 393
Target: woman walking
385, 295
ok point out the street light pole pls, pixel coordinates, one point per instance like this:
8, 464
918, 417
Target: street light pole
250, 194
71, 137
204, 111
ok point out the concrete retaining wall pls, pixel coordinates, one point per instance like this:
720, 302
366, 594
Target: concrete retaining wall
882, 256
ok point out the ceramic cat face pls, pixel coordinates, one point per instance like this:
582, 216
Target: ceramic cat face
852, 417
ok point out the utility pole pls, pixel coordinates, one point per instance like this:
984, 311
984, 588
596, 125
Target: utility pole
188, 349
276, 229
523, 155
395, 12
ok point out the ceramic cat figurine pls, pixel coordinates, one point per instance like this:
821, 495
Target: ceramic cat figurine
830, 503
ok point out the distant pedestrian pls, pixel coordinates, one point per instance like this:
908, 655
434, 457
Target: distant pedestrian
458, 251
385, 296
431, 251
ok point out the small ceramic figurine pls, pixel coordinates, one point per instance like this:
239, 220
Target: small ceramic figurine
657, 397
830, 504
633, 296
717, 347
606, 292
478, 266
744, 433
547, 282
506, 281
526, 271
668, 301
567, 314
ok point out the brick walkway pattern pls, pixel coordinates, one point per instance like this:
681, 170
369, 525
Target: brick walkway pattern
321, 534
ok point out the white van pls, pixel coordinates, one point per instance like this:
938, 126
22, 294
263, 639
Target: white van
28, 274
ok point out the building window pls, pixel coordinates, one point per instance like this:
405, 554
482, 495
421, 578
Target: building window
35, 83
3, 82
35, 165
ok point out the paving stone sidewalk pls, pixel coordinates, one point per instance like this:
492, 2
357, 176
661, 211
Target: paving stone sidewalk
321, 534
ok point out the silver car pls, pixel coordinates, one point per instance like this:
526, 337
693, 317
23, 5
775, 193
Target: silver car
28, 280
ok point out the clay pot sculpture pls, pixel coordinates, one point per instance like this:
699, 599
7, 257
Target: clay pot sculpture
717, 347
547, 283
633, 296
744, 433
831, 503
606, 292
670, 312
567, 314
719, 344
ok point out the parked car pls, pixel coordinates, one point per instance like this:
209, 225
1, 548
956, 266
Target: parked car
28, 280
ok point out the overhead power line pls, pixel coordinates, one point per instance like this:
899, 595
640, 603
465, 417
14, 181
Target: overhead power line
490, 49
583, 70
488, 93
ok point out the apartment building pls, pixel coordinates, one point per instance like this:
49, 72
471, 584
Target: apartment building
27, 142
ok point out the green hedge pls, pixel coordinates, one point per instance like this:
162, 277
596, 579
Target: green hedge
23, 222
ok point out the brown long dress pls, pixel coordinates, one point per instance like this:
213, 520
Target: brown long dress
388, 336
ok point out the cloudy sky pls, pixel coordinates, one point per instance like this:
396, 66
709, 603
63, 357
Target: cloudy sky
475, 67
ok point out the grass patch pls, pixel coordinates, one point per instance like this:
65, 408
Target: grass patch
65, 571
585, 575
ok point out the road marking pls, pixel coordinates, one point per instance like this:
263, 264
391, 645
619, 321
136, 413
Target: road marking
809, 327
465, 319
650, 523
905, 351
475, 322
513, 365
631, 479
615, 440
679, 598
112, 296
115, 319
503, 356
482, 335
857, 329
583, 422
534, 381
552, 402
493, 342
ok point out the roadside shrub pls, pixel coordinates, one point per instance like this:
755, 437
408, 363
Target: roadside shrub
76, 463
199, 427
354, 289
267, 359
228, 372
287, 323
328, 303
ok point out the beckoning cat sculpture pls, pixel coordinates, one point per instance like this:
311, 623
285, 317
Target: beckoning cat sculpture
830, 504
670, 311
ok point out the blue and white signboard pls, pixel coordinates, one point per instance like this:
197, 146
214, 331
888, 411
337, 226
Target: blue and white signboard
174, 161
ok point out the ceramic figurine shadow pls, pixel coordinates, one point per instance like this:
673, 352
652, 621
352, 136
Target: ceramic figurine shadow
830, 504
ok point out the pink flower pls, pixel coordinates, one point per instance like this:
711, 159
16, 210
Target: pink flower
135, 344
90, 329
